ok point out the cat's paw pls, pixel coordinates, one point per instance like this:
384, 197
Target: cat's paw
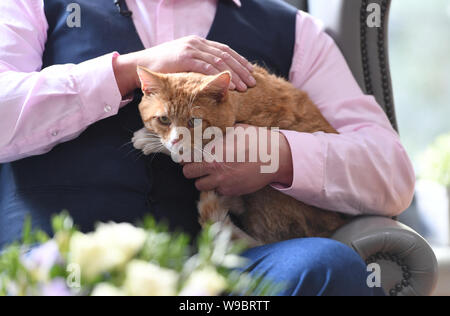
148, 142
211, 208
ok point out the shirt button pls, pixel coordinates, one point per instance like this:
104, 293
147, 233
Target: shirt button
108, 108
55, 133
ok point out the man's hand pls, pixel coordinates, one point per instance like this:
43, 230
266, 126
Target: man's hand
187, 54
239, 178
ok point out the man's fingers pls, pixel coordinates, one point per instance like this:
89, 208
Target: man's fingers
225, 48
222, 65
202, 67
196, 170
208, 183
217, 65
221, 57
226, 61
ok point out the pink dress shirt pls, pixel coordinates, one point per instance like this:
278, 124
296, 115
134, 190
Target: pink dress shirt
364, 170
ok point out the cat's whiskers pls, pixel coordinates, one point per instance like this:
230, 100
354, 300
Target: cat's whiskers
149, 139
213, 158
157, 149
152, 146
127, 143
152, 134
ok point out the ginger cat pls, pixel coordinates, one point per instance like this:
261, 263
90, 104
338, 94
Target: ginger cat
175, 100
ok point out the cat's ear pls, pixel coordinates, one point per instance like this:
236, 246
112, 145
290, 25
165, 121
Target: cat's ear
218, 85
151, 82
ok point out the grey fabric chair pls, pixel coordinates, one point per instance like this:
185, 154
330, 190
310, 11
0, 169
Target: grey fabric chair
408, 264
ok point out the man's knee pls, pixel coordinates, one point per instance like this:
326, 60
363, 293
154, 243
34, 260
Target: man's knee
312, 266
331, 268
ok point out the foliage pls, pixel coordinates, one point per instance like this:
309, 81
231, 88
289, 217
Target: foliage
435, 161
122, 259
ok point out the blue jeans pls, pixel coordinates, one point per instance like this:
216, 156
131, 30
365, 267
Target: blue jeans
311, 267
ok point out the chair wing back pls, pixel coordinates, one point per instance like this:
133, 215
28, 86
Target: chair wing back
364, 46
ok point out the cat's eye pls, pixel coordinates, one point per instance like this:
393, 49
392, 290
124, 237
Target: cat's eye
194, 122
164, 120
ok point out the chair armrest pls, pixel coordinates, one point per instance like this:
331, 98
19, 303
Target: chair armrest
403, 255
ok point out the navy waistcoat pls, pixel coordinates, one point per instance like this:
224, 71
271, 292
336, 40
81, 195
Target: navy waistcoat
98, 176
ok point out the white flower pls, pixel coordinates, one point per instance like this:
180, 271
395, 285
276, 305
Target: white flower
204, 282
105, 289
147, 279
41, 260
109, 247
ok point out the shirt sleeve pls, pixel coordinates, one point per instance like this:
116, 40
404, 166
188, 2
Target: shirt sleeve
364, 169
40, 108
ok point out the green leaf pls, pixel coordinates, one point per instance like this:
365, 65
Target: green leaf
62, 223
435, 161
58, 271
27, 238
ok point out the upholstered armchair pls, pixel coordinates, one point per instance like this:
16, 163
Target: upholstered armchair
407, 262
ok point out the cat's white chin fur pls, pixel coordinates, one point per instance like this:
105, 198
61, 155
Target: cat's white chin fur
144, 140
